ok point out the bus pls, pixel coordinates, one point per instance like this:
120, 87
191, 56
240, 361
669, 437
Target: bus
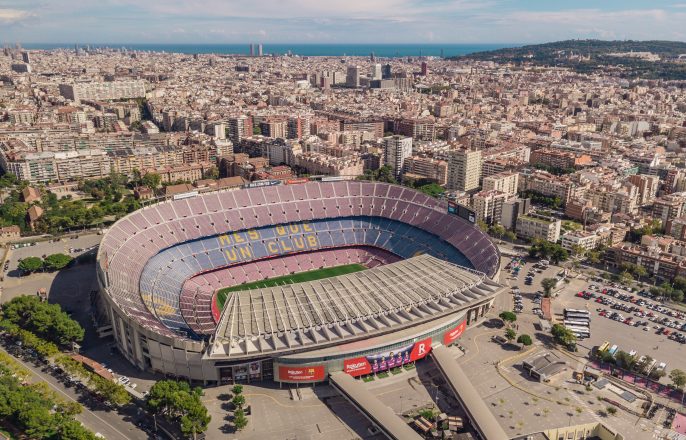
580, 332
604, 347
583, 315
613, 349
576, 323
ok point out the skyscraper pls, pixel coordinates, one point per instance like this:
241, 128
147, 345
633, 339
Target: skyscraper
425, 68
252, 49
397, 148
25, 57
464, 170
259, 50
376, 71
386, 72
352, 78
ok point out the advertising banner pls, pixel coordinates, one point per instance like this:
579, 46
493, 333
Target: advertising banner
376, 363
451, 335
301, 374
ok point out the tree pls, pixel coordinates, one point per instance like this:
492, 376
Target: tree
482, 225
240, 421
510, 334
237, 389
593, 257
510, 236
151, 180
73, 430
578, 250
525, 340
563, 335
238, 401
212, 173
30, 264
678, 378
642, 366
624, 359
548, 284
497, 231
508, 317
57, 261
178, 402
47, 321
195, 420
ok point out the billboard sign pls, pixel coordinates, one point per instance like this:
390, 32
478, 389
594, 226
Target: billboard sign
461, 211
378, 362
261, 183
296, 373
452, 335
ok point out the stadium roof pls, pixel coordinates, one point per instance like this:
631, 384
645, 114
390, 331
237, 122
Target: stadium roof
348, 307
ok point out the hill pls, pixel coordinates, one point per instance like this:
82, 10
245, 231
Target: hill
630, 59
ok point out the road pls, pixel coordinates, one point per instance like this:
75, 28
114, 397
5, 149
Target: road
111, 424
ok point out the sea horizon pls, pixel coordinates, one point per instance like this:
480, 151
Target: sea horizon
382, 50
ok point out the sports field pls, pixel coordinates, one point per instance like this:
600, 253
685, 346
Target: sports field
299, 277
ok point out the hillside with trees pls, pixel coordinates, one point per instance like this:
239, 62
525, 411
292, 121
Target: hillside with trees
589, 56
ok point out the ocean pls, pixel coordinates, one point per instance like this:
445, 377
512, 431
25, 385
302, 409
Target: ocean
379, 50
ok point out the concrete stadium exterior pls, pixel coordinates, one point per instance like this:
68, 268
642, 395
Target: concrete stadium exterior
430, 275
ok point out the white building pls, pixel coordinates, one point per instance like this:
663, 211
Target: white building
397, 148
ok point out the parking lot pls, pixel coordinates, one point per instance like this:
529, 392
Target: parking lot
643, 339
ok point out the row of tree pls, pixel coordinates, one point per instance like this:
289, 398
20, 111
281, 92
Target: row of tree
180, 404
45, 320
50, 263
43, 348
240, 421
510, 333
34, 410
109, 390
643, 366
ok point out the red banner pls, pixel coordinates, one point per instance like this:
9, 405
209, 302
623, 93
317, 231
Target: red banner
379, 362
296, 181
420, 349
451, 335
301, 374
357, 366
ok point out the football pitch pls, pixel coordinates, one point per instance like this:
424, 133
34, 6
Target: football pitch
299, 277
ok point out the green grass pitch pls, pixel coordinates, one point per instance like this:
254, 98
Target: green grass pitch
299, 277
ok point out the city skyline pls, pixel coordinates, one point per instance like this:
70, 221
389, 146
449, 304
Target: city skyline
306, 21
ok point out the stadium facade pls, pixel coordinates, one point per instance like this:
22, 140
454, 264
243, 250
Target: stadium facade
430, 275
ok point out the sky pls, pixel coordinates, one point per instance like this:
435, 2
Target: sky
338, 21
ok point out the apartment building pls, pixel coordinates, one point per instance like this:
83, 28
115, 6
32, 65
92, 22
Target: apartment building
103, 91
558, 158
464, 170
417, 129
488, 206
427, 168
396, 150
506, 182
647, 187
539, 226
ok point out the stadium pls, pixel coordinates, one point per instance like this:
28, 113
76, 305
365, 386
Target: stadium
292, 282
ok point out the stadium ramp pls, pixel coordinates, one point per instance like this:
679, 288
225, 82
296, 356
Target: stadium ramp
481, 418
383, 417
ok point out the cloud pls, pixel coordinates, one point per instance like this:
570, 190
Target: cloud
10, 16
340, 21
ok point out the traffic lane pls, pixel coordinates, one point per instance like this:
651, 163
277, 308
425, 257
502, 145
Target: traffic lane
111, 424
627, 337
